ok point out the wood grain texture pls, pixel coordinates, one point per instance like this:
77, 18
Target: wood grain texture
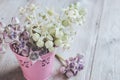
98, 39
106, 61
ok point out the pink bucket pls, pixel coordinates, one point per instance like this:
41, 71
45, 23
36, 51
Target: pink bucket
41, 70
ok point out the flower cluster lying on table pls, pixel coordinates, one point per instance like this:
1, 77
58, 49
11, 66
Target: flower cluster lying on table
73, 66
42, 31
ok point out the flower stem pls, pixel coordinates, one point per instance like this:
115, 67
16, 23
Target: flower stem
62, 61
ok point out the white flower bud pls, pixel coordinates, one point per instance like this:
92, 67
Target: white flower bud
66, 23
37, 30
49, 44
77, 5
58, 42
35, 36
51, 49
50, 12
40, 43
73, 13
22, 10
49, 37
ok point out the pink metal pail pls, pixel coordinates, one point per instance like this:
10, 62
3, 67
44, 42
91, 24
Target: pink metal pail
41, 70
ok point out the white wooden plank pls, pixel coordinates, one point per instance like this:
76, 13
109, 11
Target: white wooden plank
93, 23
106, 64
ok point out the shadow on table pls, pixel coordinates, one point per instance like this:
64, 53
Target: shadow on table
58, 76
15, 74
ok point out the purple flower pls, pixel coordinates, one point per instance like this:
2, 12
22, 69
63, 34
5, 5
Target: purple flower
25, 52
15, 47
73, 65
24, 36
69, 74
63, 69
34, 56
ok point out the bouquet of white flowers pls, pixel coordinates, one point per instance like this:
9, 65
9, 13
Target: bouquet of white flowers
47, 30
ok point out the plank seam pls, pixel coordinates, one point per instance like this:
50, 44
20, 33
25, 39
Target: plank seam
96, 40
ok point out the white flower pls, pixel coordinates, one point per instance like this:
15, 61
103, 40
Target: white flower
22, 10
77, 5
73, 13
66, 22
43, 28
40, 43
32, 7
30, 18
49, 37
51, 49
49, 44
37, 30
58, 34
35, 36
52, 30
58, 42
50, 12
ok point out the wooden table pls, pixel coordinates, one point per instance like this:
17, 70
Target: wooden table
98, 39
